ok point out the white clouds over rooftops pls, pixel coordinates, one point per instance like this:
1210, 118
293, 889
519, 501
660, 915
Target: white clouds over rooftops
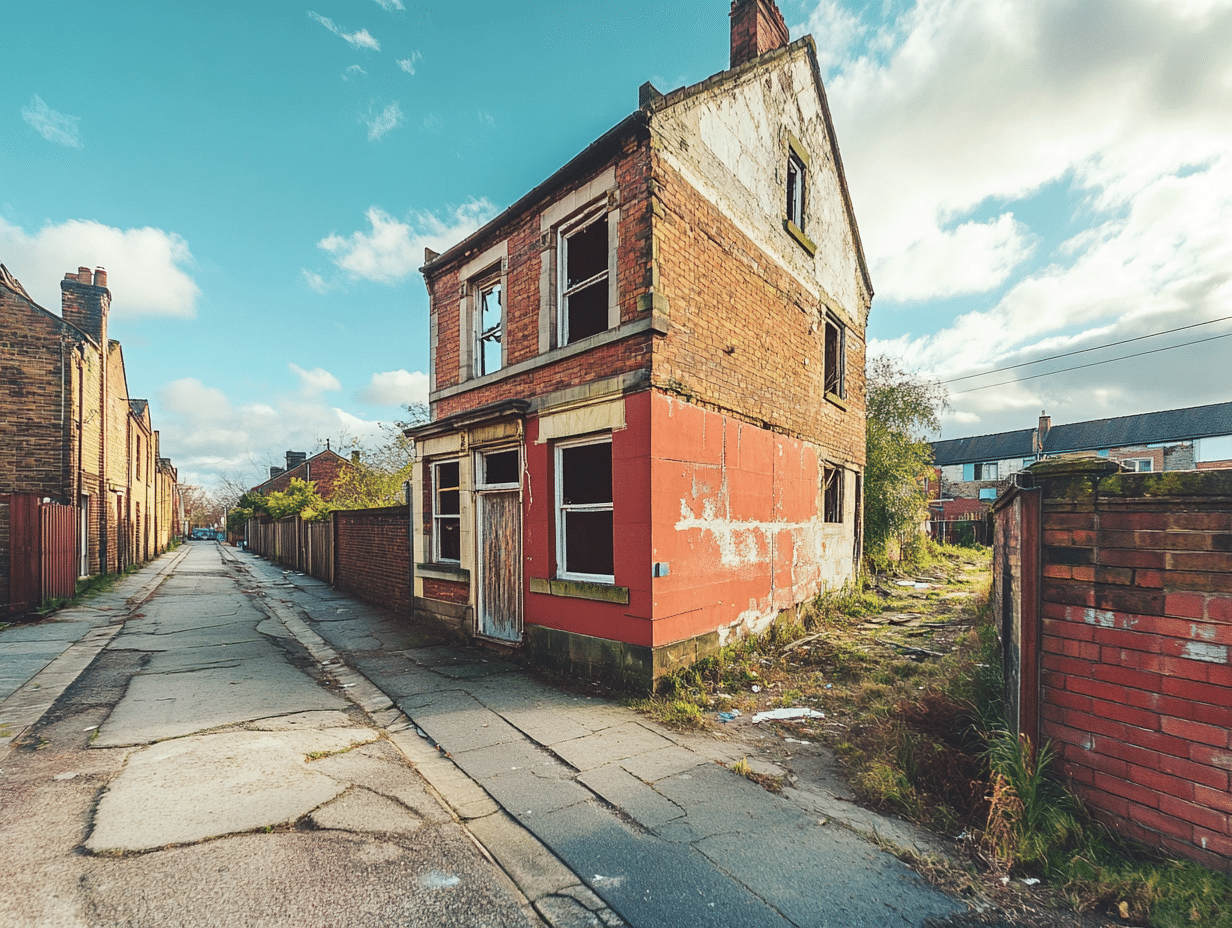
316, 381
392, 250
360, 39
380, 123
53, 126
146, 267
396, 388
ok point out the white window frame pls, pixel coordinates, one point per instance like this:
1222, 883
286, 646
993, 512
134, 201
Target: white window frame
438, 516
481, 471
797, 191
561, 508
563, 234
1136, 464
481, 285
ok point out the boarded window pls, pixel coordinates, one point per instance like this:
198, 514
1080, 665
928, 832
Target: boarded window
447, 512
584, 283
584, 510
491, 315
832, 493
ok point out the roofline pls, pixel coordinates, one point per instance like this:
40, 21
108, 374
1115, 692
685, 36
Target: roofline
489, 412
573, 167
664, 101
257, 488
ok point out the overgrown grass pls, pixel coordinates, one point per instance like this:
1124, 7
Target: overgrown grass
88, 588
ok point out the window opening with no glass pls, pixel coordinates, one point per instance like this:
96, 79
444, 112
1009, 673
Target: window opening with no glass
491, 315
584, 283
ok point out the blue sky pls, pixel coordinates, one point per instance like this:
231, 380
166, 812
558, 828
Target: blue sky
260, 180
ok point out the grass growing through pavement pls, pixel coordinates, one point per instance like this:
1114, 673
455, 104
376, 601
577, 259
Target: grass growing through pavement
909, 679
88, 588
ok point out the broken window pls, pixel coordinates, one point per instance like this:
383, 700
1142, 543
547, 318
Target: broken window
584, 547
446, 512
1140, 465
490, 318
584, 279
836, 359
796, 174
986, 471
499, 468
832, 494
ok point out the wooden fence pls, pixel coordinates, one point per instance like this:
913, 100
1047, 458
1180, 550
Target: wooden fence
38, 546
307, 547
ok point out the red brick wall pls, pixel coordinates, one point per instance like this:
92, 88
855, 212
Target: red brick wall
4, 554
447, 591
372, 556
322, 470
1136, 682
742, 328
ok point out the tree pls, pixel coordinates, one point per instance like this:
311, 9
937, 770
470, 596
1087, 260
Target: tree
378, 477
248, 505
200, 508
901, 409
300, 497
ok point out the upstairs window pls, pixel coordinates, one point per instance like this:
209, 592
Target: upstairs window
446, 512
584, 274
796, 174
584, 543
836, 360
490, 321
986, 471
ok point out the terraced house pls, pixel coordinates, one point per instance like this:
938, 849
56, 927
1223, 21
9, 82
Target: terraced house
647, 380
83, 488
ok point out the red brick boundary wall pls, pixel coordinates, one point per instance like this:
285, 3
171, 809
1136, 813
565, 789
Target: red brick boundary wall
1133, 620
372, 556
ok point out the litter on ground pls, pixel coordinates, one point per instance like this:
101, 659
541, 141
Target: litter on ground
793, 713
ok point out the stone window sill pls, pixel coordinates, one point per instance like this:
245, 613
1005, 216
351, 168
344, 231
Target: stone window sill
580, 589
836, 400
443, 572
798, 234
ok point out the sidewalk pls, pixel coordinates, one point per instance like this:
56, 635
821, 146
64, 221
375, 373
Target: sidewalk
559, 786
40, 659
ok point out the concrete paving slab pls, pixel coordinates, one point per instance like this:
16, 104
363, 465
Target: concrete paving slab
298, 721
617, 743
483, 763
647, 881
545, 725
525, 794
203, 656
171, 705
717, 801
191, 789
364, 811
665, 762
861, 885
631, 796
378, 767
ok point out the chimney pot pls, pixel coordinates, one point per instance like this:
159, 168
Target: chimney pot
100, 277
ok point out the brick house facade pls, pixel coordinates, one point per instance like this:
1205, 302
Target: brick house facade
647, 381
69, 432
321, 469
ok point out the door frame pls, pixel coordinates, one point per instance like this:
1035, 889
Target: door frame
481, 489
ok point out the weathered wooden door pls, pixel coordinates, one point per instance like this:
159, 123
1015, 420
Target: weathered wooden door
500, 565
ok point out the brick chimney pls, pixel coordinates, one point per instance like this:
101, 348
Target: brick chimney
85, 301
1041, 433
757, 27
295, 459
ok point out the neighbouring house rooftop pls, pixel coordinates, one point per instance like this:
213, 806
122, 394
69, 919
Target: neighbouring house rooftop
1146, 428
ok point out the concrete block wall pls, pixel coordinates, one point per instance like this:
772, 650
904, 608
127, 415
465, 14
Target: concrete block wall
372, 556
1136, 662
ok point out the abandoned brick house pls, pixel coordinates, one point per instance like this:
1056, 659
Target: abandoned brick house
70, 435
1193, 438
647, 380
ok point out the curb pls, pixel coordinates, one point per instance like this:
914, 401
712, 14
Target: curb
556, 894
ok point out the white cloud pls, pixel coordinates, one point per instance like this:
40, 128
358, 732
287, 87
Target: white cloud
1115, 116
53, 126
317, 282
353, 71
316, 381
390, 5
389, 118
360, 39
207, 436
487, 119
396, 388
834, 30
146, 267
408, 64
393, 250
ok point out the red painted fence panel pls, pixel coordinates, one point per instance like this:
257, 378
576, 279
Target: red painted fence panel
58, 551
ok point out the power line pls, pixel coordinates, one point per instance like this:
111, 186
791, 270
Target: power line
1070, 354
1079, 367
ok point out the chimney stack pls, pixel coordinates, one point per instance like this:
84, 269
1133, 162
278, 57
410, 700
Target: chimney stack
275, 471
295, 459
757, 27
1041, 433
85, 302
